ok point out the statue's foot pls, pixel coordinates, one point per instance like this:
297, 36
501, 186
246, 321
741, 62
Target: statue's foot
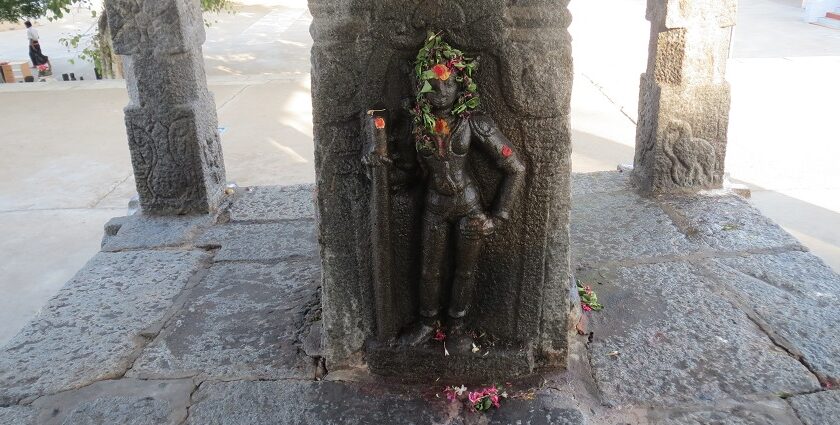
459, 340
418, 334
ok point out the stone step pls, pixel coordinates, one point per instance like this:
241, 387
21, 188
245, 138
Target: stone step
829, 23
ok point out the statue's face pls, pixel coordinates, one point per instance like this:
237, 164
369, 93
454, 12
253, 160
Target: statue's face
444, 94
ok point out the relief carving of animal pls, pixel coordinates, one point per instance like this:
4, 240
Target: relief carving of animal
693, 160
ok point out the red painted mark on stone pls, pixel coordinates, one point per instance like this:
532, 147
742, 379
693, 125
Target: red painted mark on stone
506, 151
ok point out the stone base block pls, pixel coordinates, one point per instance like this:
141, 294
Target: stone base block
430, 363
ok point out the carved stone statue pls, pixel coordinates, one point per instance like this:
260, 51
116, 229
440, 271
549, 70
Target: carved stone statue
447, 133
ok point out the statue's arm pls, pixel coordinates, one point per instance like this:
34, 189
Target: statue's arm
495, 144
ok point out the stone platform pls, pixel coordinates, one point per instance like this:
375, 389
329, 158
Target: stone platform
713, 314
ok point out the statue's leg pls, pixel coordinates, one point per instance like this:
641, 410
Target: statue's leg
470, 238
469, 247
435, 240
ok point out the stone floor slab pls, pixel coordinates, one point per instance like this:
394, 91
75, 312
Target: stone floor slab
144, 232
18, 415
822, 408
798, 297
773, 411
601, 182
301, 402
122, 401
542, 409
262, 242
618, 226
727, 223
266, 203
665, 338
91, 329
243, 321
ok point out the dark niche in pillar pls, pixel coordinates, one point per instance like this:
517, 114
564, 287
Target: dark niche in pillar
458, 224
444, 179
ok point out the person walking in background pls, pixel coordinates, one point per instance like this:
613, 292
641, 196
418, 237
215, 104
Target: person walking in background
35, 54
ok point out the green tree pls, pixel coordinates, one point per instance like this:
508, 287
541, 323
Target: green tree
16, 10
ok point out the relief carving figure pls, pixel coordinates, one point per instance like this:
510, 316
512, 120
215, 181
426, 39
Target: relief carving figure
693, 160
447, 132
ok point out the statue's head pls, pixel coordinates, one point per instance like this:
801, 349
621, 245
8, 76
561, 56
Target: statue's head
444, 82
444, 93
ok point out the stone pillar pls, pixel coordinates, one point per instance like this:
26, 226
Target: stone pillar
683, 96
171, 117
362, 59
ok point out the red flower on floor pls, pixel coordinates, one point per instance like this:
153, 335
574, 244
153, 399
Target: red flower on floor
379, 122
439, 335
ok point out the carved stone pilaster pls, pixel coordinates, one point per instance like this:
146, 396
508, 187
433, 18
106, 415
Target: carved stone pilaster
171, 117
361, 60
684, 97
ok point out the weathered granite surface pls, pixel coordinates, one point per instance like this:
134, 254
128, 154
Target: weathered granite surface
170, 119
770, 411
601, 182
91, 330
822, 408
797, 298
263, 241
609, 227
702, 336
297, 402
272, 203
243, 321
141, 231
683, 96
17, 415
121, 401
361, 59
666, 337
726, 223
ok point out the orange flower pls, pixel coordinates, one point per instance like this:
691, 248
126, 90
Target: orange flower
441, 71
506, 151
379, 122
441, 126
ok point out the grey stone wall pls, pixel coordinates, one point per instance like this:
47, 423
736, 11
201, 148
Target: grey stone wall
171, 117
361, 60
683, 96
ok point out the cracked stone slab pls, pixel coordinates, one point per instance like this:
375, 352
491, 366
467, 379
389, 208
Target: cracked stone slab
308, 402
728, 223
243, 321
618, 226
18, 415
666, 337
144, 232
91, 330
771, 411
123, 401
265, 203
543, 409
601, 182
822, 408
262, 242
798, 297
